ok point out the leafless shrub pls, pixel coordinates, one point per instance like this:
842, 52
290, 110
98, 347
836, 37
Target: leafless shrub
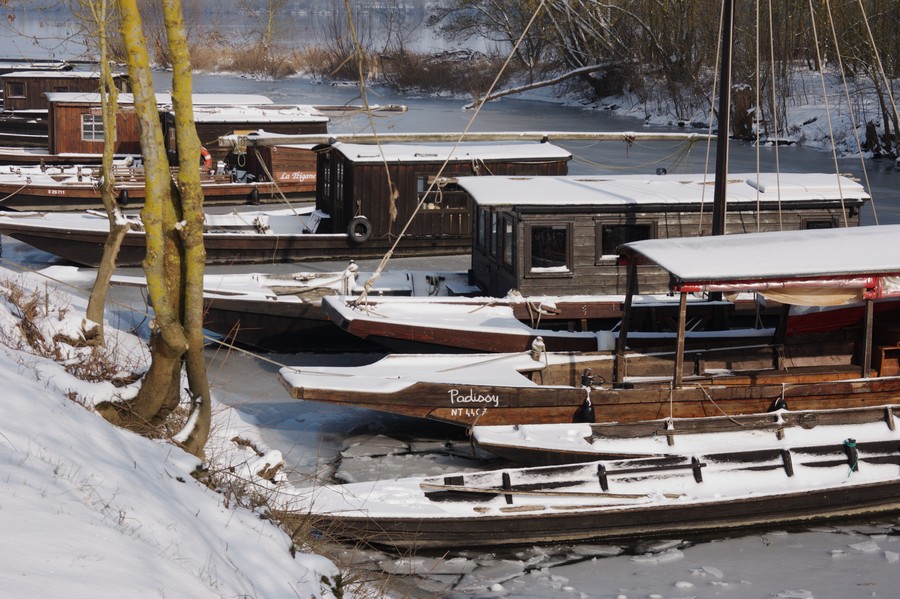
79, 356
466, 72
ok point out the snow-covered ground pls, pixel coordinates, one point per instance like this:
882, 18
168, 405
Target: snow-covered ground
91, 510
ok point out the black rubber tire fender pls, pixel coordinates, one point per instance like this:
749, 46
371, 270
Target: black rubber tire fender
359, 229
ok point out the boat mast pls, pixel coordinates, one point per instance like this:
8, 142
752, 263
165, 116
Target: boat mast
724, 120
721, 177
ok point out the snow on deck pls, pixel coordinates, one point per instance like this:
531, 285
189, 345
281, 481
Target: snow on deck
483, 317
578, 437
397, 372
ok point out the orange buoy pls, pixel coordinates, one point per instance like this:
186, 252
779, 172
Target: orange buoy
206, 158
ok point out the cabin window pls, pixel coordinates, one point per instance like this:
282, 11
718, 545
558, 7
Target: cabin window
16, 89
493, 237
550, 248
326, 178
819, 224
92, 127
611, 236
339, 179
59, 89
508, 241
481, 224
448, 196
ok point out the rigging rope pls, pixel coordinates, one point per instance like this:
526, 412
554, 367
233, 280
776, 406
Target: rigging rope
837, 173
853, 125
387, 256
775, 115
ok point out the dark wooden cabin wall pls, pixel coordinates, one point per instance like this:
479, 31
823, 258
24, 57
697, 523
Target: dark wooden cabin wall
36, 87
366, 186
604, 276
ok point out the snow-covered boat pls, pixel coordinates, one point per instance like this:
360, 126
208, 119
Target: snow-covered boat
77, 187
544, 252
842, 368
553, 444
826, 476
282, 312
268, 235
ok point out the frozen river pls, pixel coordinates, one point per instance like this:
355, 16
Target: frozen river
850, 561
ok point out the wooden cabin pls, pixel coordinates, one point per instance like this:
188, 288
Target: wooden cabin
214, 121
24, 120
355, 182
76, 122
27, 90
559, 235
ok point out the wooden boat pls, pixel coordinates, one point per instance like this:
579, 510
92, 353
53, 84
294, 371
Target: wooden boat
481, 324
840, 369
339, 233
72, 127
459, 324
281, 312
555, 444
467, 318
583, 287
76, 187
829, 472
233, 238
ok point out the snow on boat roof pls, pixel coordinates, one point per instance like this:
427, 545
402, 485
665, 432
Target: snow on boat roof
852, 251
648, 189
46, 74
257, 114
464, 151
164, 98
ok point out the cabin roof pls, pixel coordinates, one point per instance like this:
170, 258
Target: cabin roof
54, 74
775, 256
622, 190
162, 98
438, 152
258, 114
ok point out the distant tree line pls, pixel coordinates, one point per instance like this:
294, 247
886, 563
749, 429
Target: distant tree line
665, 51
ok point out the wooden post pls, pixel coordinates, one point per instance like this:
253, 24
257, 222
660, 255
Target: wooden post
679, 345
867, 339
630, 291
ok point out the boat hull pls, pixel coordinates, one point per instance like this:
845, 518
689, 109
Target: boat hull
554, 394
585, 524
273, 326
85, 247
22, 196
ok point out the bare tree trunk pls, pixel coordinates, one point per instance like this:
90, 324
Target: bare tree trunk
99, 14
194, 257
159, 392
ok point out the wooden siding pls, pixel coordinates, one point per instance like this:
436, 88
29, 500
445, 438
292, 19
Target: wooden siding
355, 189
284, 163
65, 136
36, 87
591, 274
